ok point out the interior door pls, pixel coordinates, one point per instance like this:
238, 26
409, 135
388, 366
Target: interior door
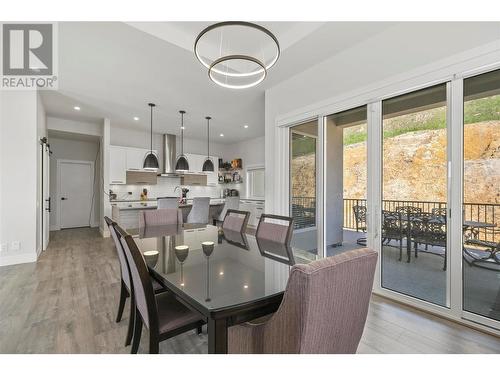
45, 197
75, 192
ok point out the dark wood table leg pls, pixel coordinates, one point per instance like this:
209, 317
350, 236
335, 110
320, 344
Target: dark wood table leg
217, 336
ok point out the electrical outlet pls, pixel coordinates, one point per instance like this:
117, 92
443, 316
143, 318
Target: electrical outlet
15, 245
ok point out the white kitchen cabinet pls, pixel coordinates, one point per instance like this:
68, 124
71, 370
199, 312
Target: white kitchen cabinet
123, 159
259, 210
196, 167
117, 165
194, 237
135, 158
256, 208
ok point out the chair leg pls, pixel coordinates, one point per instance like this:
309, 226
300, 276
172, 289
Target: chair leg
123, 298
416, 250
137, 332
154, 344
198, 330
400, 250
131, 322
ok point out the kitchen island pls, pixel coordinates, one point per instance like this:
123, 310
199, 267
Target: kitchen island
126, 213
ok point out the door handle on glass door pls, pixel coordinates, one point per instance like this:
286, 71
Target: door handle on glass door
64, 198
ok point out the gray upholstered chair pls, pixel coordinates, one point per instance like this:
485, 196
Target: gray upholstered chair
236, 220
199, 211
275, 228
230, 203
167, 202
162, 216
323, 311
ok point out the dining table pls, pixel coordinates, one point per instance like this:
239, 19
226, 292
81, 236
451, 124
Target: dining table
231, 279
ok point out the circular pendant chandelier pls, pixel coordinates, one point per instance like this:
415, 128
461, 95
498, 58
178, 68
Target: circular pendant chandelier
237, 54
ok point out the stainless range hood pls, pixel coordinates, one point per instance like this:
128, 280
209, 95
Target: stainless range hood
169, 156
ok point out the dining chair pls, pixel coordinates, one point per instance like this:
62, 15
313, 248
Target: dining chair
275, 228
323, 310
167, 202
125, 288
199, 211
230, 203
236, 220
360, 217
162, 314
162, 216
392, 229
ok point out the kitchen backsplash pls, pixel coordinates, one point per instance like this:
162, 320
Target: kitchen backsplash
164, 187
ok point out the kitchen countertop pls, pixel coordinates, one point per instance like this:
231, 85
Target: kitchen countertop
152, 205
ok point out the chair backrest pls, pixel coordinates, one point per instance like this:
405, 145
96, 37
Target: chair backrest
162, 216
199, 211
439, 213
268, 229
236, 220
325, 305
230, 203
359, 213
142, 288
409, 210
124, 268
167, 202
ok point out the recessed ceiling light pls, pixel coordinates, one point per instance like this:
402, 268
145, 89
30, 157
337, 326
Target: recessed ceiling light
245, 126
222, 135
245, 286
183, 127
76, 108
136, 118
221, 273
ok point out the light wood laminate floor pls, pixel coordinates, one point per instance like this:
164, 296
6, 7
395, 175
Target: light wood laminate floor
67, 301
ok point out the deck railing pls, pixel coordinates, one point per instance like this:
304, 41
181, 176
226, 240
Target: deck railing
304, 213
483, 212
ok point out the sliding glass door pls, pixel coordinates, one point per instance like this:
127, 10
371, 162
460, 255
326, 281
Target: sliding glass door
345, 214
414, 240
303, 185
404, 176
481, 195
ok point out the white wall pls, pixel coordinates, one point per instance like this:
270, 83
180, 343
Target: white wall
73, 149
252, 152
18, 192
72, 126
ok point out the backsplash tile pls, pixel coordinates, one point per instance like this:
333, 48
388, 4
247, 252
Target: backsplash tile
164, 187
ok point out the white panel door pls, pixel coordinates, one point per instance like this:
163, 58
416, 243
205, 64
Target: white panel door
75, 193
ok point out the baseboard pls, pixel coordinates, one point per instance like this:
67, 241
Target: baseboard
104, 233
8, 260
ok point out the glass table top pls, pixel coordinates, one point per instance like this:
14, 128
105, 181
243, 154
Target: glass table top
237, 270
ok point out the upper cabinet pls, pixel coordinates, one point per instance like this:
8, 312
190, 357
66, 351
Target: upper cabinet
196, 167
122, 159
135, 158
117, 165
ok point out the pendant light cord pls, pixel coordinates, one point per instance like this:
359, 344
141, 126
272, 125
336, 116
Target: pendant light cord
208, 138
182, 133
151, 130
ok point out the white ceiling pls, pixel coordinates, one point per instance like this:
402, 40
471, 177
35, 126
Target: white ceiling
114, 69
